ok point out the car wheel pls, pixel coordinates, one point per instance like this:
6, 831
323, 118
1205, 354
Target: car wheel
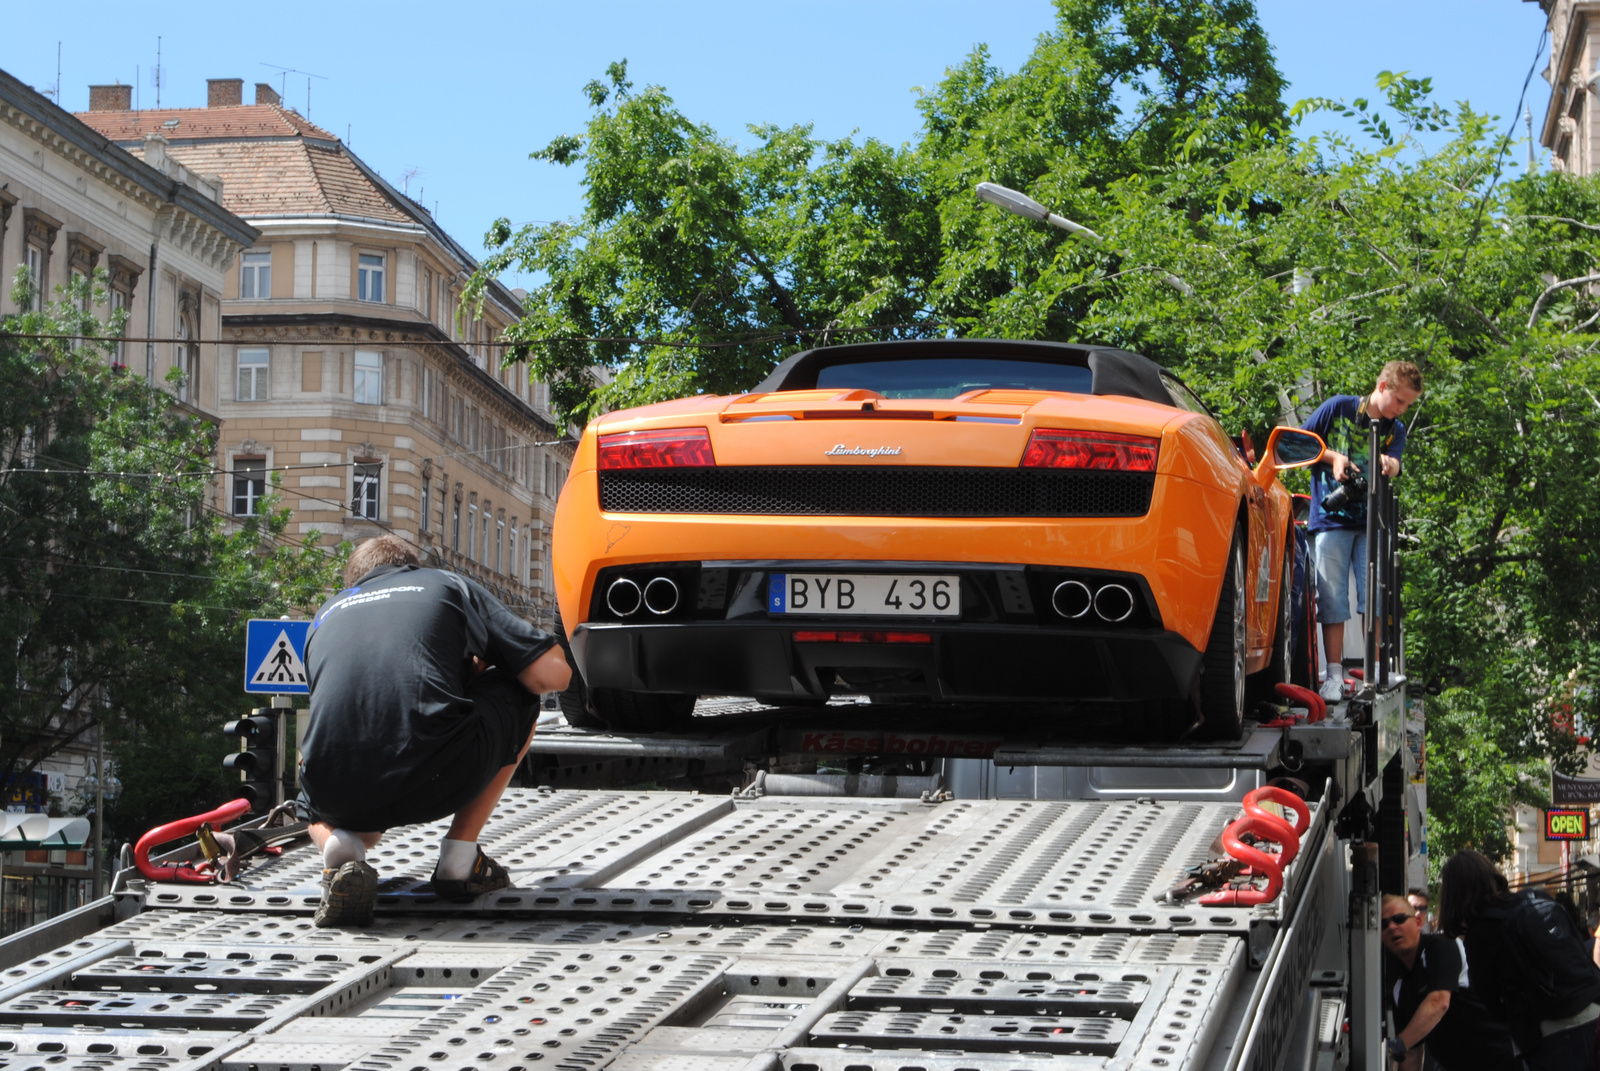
1277, 670
643, 712
574, 698
1222, 667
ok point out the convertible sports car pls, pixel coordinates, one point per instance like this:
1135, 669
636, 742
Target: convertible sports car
946, 520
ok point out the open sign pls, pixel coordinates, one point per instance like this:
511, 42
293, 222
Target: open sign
1566, 825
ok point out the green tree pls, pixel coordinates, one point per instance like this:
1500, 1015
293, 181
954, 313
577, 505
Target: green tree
700, 265
121, 597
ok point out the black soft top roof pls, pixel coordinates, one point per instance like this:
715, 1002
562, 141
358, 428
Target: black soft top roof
1114, 371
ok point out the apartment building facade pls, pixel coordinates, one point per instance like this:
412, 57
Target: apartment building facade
71, 203
348, 365
1571, 129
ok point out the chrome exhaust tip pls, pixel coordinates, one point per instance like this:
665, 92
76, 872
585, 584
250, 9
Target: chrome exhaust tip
661, 596
1071, 598
1113, 603
623, 597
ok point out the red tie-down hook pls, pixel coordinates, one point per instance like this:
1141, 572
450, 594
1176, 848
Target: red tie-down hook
1264, 826
195, 873
1316, 708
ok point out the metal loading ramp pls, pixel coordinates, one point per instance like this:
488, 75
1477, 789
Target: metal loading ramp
668, 931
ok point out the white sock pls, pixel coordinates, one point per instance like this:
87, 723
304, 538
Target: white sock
1336, 671
456, 858
342, 847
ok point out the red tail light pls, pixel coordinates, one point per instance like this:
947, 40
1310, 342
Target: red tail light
1049, 448
671, 448
831, 636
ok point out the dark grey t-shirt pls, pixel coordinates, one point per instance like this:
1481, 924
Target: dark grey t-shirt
388, 660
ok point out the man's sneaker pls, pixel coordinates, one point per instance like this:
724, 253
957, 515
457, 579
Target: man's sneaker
348, 895
487, 876
1332, 690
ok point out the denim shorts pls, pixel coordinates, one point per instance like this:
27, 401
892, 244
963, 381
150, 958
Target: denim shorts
1339, 550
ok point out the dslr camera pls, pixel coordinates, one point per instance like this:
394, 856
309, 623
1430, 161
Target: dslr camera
1352, 490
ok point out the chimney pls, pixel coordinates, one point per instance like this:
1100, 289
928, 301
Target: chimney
223, 92
113, 98
265, 94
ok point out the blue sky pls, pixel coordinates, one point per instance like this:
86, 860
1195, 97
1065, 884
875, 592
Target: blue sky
459, 94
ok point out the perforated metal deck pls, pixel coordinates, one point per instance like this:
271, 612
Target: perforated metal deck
665, 931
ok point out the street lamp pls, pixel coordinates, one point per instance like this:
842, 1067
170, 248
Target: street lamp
1021, 204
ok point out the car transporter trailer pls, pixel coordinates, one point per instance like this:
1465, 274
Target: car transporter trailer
845, 921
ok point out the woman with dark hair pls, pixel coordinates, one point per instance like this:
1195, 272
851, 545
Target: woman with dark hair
1525, 961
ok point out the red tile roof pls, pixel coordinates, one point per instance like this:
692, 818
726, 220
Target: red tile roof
271, 161
235, 121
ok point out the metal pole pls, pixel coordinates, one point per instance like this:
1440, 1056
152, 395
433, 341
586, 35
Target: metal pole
282, 707
99, 809
1374, 503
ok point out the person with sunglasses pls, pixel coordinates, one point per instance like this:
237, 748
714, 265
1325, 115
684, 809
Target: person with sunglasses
1425, 987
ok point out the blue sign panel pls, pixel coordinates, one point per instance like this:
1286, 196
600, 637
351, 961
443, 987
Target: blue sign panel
275, 657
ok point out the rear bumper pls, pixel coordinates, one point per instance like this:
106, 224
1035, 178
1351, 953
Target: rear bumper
960, 662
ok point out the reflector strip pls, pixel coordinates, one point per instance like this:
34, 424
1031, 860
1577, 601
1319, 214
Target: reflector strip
862, 637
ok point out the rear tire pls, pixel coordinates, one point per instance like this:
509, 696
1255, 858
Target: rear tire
1222, 684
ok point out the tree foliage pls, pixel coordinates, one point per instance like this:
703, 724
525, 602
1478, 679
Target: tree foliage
122, 598
1268, 264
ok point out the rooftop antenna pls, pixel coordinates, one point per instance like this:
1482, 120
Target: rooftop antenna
287, 71
405, 180
155, 75
58, 72
1527, 118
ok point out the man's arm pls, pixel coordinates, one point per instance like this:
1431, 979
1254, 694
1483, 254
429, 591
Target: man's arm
1429, 1012
550, 673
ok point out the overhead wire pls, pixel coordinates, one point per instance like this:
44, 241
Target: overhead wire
513, 344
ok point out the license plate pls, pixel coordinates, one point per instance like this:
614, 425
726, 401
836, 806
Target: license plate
865, 594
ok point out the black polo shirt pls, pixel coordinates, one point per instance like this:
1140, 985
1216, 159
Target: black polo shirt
388, 662
1467, 1038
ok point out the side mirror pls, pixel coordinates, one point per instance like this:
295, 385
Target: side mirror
1293, 448
1288, 448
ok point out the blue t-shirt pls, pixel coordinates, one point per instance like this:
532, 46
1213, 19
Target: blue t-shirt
1343, 423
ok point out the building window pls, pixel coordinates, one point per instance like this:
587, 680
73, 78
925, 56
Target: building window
511, 551
255, 276
252, 376
364, 489
186, 355
369, 378
249, 484
455, 529
499, 544
36, 276
427, 293
369, 277
119, 301
423, 523
472, 533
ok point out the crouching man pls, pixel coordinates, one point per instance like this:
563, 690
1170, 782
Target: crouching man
423, 700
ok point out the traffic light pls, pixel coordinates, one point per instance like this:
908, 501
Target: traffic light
257, 758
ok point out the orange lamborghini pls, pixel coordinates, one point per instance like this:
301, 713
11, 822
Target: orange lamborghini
944, 520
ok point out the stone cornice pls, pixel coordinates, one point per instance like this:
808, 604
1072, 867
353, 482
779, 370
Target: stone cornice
73, 140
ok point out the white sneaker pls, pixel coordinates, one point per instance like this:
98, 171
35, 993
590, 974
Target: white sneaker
1332, 690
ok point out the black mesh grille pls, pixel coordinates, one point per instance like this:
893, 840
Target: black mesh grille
878, 491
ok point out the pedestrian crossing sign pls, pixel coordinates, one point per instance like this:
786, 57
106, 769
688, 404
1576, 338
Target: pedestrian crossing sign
275, 657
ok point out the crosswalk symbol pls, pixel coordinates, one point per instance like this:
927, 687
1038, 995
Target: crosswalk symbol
281, 666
